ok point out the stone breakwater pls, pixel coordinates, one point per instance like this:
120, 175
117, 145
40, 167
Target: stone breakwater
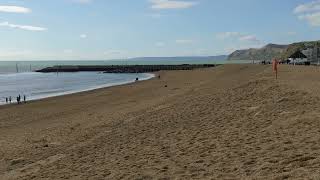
125, 68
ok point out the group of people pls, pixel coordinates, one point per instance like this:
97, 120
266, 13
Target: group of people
19, 100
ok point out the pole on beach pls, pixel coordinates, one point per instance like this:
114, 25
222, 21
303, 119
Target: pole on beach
318, 55
17, 68
275, 64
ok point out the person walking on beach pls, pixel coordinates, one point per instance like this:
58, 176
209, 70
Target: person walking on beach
10, 99
6, 100
24, 99
18, 100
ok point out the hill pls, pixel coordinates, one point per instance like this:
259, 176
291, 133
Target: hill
267, 52
300, 46
274, 50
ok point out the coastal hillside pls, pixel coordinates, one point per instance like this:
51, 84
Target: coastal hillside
303, 46
267, 52
274, 50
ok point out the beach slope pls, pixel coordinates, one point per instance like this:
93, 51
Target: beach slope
227, 122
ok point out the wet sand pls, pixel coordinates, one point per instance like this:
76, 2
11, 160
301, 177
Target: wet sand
227, 122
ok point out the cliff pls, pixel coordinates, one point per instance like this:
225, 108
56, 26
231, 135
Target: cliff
273, 51
265, 53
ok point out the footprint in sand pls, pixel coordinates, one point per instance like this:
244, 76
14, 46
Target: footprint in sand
31, 168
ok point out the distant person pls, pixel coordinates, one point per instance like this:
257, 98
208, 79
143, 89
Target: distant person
6, 100
10, 99
137, 79
24, 99
159, 76
275, 64
18, 100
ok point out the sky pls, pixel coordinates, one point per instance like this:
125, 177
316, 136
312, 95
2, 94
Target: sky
119, 29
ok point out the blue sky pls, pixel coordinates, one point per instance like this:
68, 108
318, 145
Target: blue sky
111, 29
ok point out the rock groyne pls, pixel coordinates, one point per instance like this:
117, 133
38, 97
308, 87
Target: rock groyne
125, 68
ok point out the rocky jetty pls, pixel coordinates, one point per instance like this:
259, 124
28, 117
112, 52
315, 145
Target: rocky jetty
124, 68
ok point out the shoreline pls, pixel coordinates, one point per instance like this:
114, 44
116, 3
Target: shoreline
109, 85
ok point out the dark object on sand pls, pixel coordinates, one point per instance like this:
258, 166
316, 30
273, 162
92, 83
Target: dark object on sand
137, 79
166, 86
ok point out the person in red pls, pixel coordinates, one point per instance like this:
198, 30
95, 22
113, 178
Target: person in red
275, 64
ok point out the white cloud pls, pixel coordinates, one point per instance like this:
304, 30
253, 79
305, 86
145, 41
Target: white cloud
308, 7
225, 35
171, 4
313, 19
250, 38
14, 9
23, 27
239, 36
309, 12
160, 44
184, 41
83, 36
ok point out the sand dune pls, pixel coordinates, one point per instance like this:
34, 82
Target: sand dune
228, 122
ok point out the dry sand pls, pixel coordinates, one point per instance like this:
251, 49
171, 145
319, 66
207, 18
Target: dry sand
228, 122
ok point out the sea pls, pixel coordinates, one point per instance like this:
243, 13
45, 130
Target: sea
19, 78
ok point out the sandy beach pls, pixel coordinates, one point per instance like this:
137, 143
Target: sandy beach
227, 122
